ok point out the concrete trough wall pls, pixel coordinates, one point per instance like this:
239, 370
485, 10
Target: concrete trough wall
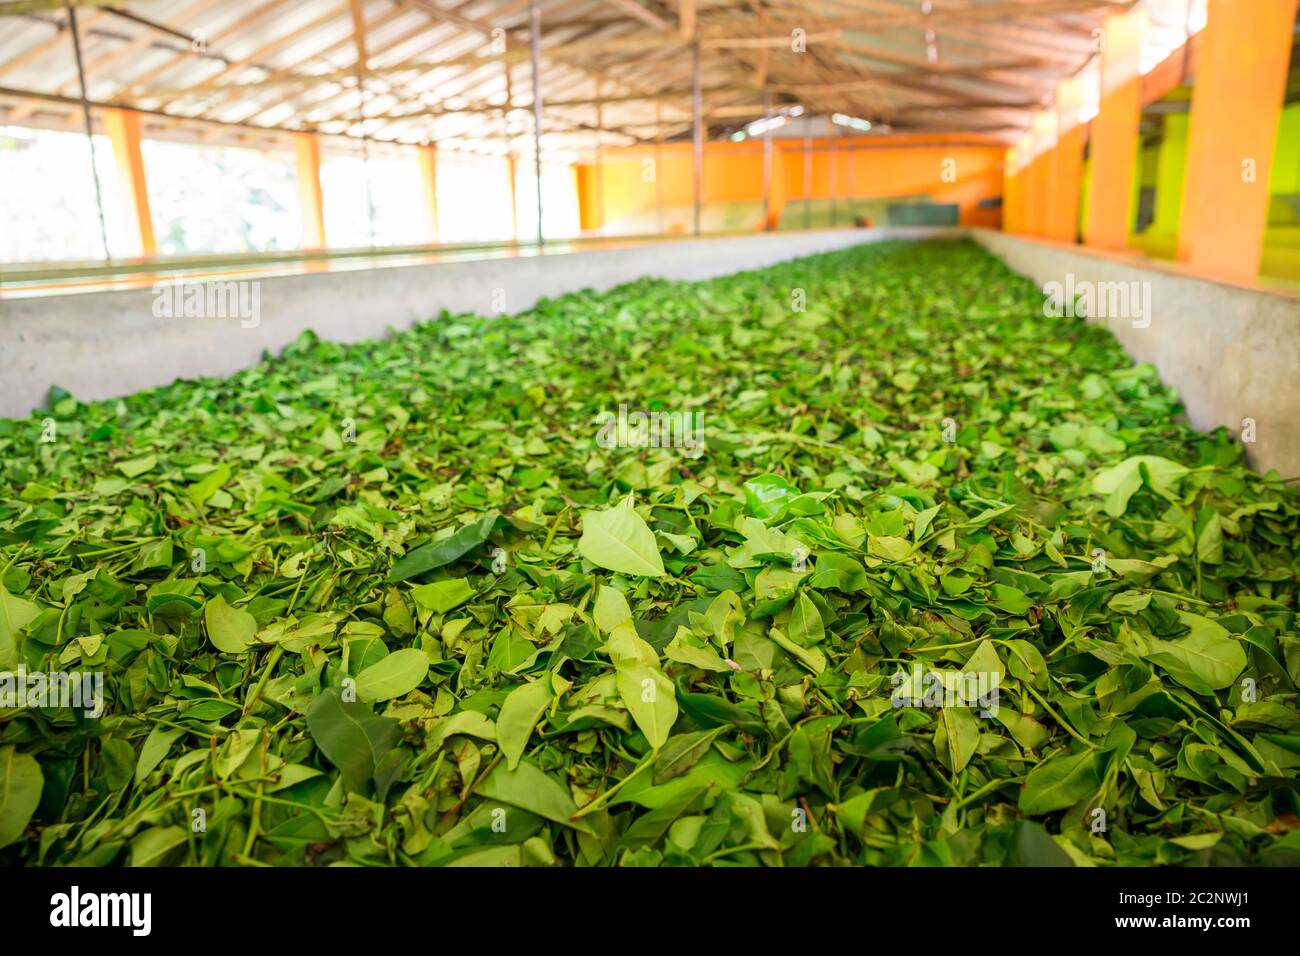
1232, 352
109, 344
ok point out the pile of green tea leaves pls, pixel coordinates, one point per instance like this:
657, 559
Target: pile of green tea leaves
394, 603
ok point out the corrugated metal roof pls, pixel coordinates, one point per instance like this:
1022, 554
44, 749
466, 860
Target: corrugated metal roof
438, 71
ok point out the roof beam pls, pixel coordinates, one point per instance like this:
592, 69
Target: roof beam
144, 40
16, 7
686, 19
644, 15
255, 16
34, 53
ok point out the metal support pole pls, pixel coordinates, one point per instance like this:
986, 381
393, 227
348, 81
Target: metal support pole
807, 171
767, 161
90, 133
510, 155
659, 172
600, 158
535, 42
852, 189
834, 172
697, 146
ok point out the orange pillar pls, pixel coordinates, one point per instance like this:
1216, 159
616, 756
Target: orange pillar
1241, 74
1115, 132
1052, 201
307, 148
514, 197
1029, 182
1015, 184
1044, 200
1068, 164
1009, 189
589, 205
1036, 196
123, 129
1018, 217
428, 157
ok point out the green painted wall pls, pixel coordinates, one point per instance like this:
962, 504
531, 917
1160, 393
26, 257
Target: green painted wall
1144, 174
1170, 163
1284, 177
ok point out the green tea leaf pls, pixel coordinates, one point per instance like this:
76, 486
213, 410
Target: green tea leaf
397, 674
958, 736
611, 609
15, 614
519, 715
442, 596
21, 782
230, 629
155, 749
528, 788
350, 736
400, 602
1059, 783
768, 495
806, 627
1206, 660
439, 554
682, 752
619, 540
646, 692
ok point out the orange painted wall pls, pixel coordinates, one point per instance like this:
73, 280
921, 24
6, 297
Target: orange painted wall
1067, 181
881, 167
1115, 133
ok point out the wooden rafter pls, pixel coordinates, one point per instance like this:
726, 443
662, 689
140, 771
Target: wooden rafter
426, 70
644, 14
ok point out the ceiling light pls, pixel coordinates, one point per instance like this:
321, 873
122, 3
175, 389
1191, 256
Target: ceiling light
768, 123
852, 122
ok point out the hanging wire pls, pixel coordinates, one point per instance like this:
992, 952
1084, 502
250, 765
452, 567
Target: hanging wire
358, 30
535, 56
697, 132
365, 163
510, 150
90, 133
